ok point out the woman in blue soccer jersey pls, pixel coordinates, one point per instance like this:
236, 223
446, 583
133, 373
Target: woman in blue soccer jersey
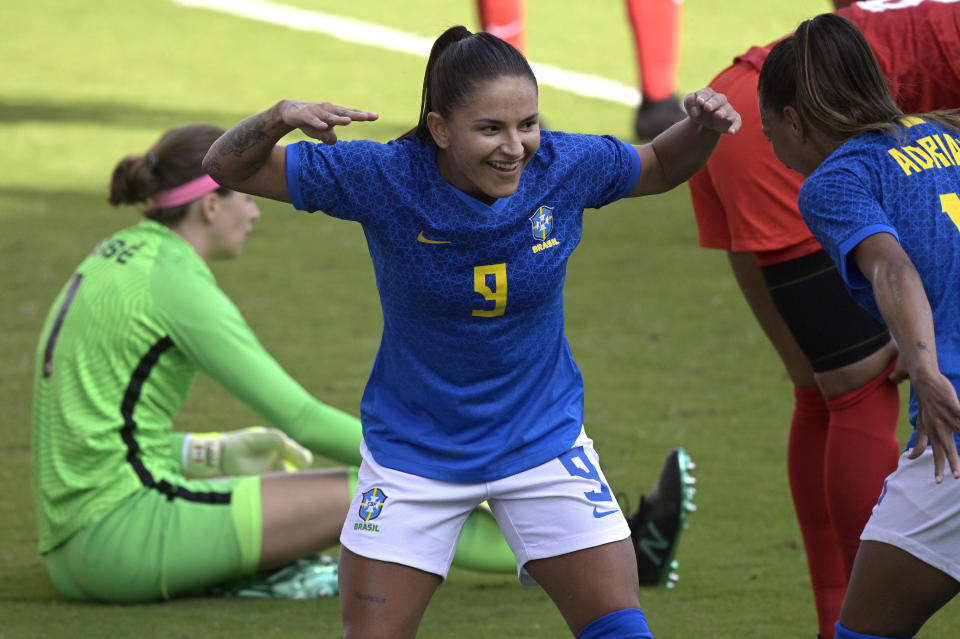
881, 196
470, 219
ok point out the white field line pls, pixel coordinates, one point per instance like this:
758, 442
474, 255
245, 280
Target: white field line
358, 32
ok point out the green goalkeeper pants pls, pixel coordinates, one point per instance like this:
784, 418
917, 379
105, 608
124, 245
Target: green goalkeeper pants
148, 547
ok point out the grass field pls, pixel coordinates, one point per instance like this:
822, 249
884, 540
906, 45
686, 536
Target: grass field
667, 347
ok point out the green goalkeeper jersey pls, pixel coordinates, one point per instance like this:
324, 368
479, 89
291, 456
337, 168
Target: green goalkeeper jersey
119, 352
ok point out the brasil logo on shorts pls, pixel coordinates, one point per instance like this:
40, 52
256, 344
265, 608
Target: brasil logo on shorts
372, 504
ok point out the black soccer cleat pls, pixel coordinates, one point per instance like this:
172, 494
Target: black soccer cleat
656, 116
662, 516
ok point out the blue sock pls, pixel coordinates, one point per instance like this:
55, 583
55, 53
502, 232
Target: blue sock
846, 633
629, 623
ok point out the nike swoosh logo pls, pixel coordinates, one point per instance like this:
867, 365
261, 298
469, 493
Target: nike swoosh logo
423, 238
598, 514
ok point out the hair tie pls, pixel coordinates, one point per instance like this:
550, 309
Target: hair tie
152, 160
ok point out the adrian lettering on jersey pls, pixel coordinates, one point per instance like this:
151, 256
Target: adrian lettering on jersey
371, 505
934, 151
541, 224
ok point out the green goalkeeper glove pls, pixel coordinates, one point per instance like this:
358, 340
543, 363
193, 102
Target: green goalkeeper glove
248, 451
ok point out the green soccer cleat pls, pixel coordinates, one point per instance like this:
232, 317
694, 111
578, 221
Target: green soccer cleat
662, 516
306, 578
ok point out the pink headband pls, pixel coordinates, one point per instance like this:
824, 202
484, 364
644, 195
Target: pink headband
184, 193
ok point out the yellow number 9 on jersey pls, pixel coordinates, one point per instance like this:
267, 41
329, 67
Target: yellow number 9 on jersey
496, 293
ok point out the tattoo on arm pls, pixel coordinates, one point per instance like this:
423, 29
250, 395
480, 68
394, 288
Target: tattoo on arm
248, 142
244, 136
368, 597
212, 165
922, 346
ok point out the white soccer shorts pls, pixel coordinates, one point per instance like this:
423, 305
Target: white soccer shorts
917, 515
558, 507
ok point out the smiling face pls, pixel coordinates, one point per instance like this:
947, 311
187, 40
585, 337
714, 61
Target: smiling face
485, 144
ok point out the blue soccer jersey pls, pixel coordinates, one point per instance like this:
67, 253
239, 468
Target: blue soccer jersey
907, 186
474, 379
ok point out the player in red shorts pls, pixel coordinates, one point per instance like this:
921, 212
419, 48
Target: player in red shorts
842, 436
656, 26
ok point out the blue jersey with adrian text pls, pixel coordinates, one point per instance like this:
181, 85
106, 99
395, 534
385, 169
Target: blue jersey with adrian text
474, 379
908, 187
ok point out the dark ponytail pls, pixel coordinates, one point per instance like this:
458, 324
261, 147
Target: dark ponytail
459, 61
173, 160
827, 71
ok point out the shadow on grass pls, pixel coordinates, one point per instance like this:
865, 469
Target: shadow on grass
134, 115
104, 112
58, 196
31, 213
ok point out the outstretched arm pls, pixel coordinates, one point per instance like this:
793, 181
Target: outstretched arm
209, 329
676, 154
902, 301
247, 158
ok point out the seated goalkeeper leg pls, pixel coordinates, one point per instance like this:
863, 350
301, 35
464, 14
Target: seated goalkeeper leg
173, 540
482, 547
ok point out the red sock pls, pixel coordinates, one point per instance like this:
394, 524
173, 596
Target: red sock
805, 467
505, 19
862, 449
656, 37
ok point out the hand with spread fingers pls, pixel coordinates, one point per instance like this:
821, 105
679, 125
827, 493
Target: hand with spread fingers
938, 419
318, 119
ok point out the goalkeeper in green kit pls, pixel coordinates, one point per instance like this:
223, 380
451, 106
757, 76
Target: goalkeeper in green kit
129, 510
